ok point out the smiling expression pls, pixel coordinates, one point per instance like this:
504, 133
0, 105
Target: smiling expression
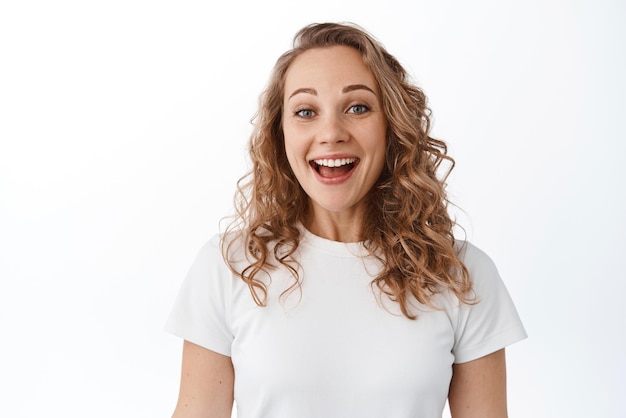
334, 128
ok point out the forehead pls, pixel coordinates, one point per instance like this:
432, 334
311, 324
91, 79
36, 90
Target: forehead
336, 65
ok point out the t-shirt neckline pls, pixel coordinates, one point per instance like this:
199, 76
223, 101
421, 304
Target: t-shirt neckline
344, 249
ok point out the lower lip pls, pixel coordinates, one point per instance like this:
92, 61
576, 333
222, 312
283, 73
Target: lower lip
335, 180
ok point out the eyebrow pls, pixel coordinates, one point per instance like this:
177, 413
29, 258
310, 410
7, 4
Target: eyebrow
354, 87
346, 89
304, 90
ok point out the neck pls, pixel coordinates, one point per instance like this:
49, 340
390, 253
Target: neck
334, 226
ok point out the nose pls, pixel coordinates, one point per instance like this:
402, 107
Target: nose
332, 130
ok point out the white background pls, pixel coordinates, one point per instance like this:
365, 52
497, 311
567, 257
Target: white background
123, 127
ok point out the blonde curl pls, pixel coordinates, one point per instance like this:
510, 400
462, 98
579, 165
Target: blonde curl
407, 224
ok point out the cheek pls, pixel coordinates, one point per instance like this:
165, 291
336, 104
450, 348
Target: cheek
294, 140
376, 142
288, 144
378, 148
294, 152
287, 140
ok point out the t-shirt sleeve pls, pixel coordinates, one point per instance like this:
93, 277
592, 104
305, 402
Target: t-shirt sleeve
493, 322
201, 310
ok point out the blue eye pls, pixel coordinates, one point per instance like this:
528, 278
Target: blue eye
304, 113
358, 109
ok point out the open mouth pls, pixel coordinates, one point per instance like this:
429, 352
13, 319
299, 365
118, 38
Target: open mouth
331, 168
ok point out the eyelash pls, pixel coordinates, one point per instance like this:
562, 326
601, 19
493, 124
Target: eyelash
300, 111
365, 109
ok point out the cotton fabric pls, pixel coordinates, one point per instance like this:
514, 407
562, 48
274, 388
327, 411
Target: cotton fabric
336, 347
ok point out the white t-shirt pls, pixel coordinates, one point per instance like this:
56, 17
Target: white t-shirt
337, 348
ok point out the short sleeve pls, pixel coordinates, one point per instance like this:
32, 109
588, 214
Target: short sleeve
493, 322
200, 311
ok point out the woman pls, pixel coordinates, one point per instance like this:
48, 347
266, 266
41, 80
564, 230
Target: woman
340, 290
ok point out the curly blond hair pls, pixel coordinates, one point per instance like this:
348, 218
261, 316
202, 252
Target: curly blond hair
407, 225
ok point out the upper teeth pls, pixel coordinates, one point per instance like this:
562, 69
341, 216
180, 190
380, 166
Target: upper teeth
335, 163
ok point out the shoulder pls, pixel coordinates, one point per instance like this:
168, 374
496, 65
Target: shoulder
481, 268
212, 244
492, 321
210, 263
234, 248
209, 252
488, 287
472, 256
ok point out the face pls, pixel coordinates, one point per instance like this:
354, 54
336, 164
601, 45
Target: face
334, 128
